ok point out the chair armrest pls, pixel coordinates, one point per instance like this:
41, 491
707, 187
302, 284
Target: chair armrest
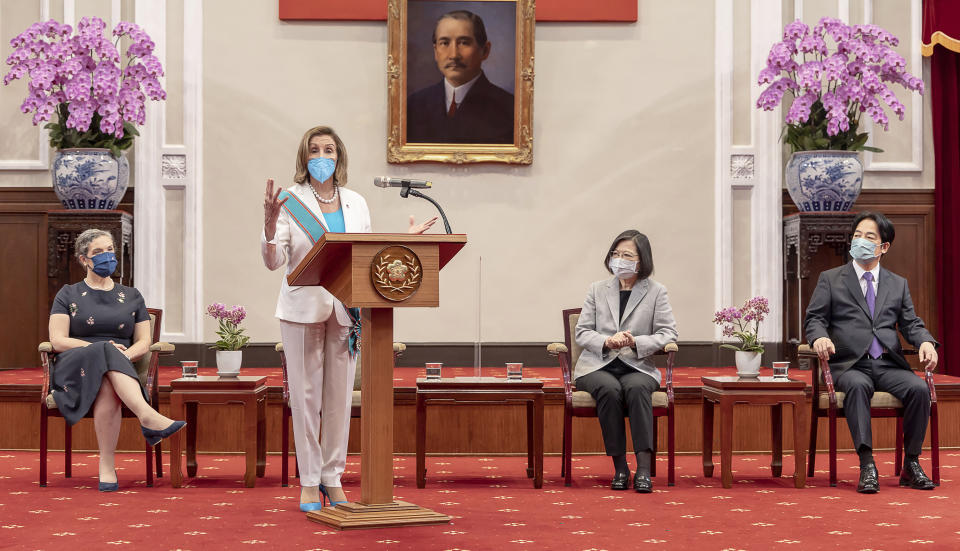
45, 347
278, 347
805, 350
398, 349
556, 348
671, 347
163, 347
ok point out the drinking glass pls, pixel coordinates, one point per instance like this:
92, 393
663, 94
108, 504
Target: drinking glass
780, 370
514, 371
189, 368
433, 371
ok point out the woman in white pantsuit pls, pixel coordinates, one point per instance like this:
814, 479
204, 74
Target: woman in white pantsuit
318, 331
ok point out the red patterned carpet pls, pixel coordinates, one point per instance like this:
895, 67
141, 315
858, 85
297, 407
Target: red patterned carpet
493, 504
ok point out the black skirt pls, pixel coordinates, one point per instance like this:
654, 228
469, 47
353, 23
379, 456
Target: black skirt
78, 374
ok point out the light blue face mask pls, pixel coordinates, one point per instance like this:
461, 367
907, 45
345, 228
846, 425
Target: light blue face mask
321, 168
863, 249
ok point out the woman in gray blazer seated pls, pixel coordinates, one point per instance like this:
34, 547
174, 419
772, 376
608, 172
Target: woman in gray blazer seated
623, 322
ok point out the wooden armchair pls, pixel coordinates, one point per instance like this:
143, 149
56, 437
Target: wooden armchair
147, 370
398, 350
578, 403
827, 402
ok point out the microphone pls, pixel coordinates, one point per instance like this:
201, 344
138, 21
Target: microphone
386, 181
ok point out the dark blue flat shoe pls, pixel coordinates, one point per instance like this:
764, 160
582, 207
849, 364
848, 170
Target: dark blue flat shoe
326, 496
110, 486
313, 506
155, 436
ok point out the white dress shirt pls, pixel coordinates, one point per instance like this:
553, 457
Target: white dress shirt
458, 92
863, 282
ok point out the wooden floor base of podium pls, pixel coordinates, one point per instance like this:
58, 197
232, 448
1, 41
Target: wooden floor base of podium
351, 516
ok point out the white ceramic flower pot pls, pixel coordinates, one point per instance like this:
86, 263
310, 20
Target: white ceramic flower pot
228, 362
748, 364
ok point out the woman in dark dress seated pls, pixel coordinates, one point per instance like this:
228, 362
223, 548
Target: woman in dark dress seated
98, 328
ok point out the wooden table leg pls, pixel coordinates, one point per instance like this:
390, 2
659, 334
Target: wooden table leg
538, 441
707, 438
191, 417
176, 441
530, 428
799, 473
421, 441
776, 439
726, 442
262, 435
250, 440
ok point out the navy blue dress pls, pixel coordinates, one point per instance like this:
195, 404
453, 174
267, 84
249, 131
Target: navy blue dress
96, 317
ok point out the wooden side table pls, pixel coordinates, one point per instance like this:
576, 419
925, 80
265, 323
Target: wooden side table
763, 391
484, 390
250, 392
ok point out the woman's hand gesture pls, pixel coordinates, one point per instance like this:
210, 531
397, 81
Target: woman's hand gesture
271, 209
420, 228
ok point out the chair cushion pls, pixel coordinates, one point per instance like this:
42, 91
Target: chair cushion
880, 400
51, 403
583, 399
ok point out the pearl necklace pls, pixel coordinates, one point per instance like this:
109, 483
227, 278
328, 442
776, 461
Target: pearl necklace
336, 191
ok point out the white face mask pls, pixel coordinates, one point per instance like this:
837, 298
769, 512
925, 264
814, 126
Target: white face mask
623, 269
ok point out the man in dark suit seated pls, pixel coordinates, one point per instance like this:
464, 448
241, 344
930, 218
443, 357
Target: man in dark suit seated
852, 320
464, 107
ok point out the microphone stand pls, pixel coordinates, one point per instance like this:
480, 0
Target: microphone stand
405, 190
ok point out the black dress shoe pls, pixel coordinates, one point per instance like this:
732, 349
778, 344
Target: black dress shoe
642, 483
912, 475
869, 480
620, 481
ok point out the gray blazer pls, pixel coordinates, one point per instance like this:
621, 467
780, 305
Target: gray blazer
648, 317
838, 310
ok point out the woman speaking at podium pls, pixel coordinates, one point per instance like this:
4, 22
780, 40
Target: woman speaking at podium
320, 335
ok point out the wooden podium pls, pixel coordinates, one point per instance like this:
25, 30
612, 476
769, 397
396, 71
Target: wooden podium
378, 272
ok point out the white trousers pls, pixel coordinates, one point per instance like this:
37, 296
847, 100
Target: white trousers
320, 374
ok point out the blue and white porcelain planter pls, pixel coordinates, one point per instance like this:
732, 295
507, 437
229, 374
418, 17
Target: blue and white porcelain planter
89, 178
824, 181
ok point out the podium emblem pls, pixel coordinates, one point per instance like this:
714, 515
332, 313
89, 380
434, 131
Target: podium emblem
396, 273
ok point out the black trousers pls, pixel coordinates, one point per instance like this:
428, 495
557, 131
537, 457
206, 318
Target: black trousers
621, 390
867, 375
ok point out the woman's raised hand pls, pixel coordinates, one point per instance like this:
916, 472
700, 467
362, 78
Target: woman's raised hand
420, 228
271, 209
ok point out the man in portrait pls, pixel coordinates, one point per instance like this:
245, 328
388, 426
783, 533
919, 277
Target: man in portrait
464, 107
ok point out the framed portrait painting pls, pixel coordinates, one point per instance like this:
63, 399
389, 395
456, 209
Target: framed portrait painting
460, 81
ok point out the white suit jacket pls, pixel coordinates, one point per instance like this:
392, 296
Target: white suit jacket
309, 303
648, 317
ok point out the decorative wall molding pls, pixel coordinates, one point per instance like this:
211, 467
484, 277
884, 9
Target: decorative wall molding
163, 167
914, 66
42, 162
753, 167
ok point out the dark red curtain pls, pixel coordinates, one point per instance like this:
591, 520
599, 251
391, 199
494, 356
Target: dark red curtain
941, 41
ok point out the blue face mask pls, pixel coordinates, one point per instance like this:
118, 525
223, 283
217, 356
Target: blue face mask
863, 249
104, 264
321, 168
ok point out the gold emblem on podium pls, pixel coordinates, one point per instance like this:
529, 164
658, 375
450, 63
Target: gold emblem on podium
396, 273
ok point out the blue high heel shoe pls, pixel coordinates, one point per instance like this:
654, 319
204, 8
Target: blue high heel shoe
327, 497
154, 437
110, 486
313, 506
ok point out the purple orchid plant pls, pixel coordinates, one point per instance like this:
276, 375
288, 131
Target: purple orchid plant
97, 96
744, 324
832, 88
230, 333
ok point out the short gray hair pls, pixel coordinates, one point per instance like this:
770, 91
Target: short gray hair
82, 244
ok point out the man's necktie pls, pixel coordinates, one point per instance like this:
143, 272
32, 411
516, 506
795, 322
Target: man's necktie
453, 106
875, 349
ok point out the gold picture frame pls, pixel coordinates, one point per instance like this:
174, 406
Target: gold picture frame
400, 114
